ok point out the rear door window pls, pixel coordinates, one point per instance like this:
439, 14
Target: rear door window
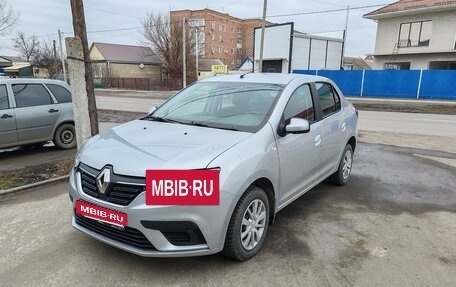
28, 95
329, 100
4, 104
60, 93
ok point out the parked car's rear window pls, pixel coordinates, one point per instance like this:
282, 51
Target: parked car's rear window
28, 95
3, 98
60, 93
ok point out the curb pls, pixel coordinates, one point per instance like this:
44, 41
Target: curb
31, 185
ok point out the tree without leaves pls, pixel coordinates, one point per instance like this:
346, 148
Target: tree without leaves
8, 17
44, 58
26, 46
165, 40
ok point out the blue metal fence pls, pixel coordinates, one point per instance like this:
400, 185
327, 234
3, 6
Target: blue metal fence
412, 84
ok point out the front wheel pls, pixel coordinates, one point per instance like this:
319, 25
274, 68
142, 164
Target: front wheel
65, 136
342, 175
248, 225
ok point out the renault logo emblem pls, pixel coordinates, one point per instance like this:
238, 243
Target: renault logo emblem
104, 180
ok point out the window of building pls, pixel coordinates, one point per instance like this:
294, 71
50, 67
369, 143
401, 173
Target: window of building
300, 105
397, 66
213, 37
4, 104
60, 93
232, 29
232, 51
212, 26
221, 38
239, 41
220, 27
28, 95
220, 49
415, 34
329, 100
212, 49
232, 62
224, 27
239, 31
239, 51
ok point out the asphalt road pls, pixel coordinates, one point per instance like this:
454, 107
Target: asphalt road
390, 226
410, 123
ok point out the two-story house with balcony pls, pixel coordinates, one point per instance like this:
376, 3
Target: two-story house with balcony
415, 34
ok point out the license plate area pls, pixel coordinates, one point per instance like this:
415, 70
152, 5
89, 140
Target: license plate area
104, 215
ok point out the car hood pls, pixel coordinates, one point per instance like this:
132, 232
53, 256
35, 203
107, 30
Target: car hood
139, 145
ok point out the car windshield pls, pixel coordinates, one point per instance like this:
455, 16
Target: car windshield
224, 105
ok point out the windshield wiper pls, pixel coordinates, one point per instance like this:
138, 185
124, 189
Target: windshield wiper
209, 126
163, 120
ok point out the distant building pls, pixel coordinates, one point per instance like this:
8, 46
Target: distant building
415, 34
205, 67
355, 63
222, 36
124, 61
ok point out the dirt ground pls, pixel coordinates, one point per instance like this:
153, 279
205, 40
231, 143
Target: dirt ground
406, 107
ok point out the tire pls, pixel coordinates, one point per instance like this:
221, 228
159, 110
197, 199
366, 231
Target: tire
65, 137
342, 175
248, 246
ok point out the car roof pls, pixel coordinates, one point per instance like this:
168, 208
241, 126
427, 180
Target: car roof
27, 81
269, 78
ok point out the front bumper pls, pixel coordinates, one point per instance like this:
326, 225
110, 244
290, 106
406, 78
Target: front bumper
212, 221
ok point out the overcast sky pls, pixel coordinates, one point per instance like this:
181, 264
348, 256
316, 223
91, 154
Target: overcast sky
44, 17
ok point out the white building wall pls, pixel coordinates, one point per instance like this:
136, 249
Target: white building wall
442, 39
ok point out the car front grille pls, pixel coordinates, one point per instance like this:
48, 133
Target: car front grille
128, 235
122, 190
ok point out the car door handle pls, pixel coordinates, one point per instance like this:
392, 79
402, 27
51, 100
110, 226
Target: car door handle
343, 126
53, 111
5, 116
318, 140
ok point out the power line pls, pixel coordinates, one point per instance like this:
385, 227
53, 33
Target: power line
326, 11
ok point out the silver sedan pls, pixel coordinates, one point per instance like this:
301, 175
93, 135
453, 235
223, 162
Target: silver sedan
269, 137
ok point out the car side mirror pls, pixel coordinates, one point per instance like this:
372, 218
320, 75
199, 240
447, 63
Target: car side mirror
151, 110
298, 126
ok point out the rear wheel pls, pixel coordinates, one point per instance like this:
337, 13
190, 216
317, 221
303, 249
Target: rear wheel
342, 175
65, 137
248, 225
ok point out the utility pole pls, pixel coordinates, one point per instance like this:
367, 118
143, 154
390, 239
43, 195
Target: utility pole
345, 37
62, 58
263, 24
56, 71
184, 56
79, 26
76, 72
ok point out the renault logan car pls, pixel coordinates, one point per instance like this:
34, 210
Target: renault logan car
35, 111
269, 137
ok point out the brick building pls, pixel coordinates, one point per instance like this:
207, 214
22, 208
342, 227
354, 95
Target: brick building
220, 36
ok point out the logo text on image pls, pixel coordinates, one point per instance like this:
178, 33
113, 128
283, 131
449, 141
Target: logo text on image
100, 213
182, 187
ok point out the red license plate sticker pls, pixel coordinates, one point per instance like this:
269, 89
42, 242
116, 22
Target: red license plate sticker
182, 187
99, 213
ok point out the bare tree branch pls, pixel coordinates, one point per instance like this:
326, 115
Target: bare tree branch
165, 40
8, 17
44, 58
26, 46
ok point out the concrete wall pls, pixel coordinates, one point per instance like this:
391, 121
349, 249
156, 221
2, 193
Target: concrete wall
417, 62
134, 71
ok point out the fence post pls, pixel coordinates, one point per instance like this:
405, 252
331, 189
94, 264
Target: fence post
316, 72
419, 84
362, 83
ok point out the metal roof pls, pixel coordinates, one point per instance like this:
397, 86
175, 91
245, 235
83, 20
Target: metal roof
407, 5
127, 53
